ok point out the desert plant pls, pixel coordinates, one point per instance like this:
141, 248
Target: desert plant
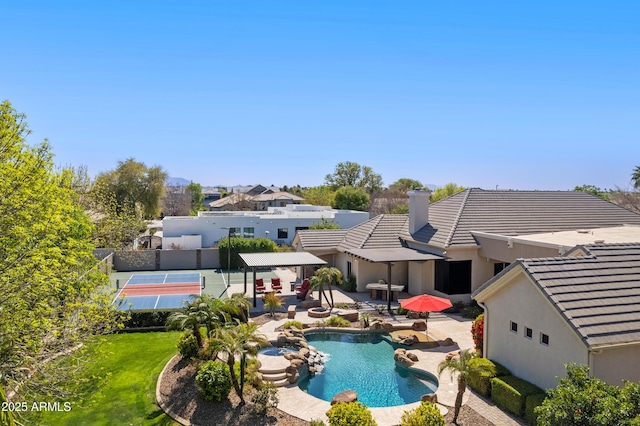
336, 321
426, 414
266, 397
214, 381
188, 344
356, 303
364, 319
272, 302
350, 414
293, 323
342, 305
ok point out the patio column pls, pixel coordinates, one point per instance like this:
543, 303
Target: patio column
255, 299
389, 287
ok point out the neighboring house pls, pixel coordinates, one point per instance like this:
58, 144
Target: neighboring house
257, 198
279, 224
583, 307
452, 247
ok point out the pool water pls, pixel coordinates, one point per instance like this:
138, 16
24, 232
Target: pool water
364, 362
276, 351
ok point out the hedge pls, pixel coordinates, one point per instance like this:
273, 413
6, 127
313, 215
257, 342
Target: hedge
481, 381
530, 405
243, 245
510, 393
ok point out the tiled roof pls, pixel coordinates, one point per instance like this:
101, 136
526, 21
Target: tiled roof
514, 213
281, 195
382, 231
321, 238
599, 294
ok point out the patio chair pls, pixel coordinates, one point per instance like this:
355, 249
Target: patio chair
260, 287
304, 290
299, 286
275, 284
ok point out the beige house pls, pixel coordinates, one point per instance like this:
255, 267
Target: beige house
452, 247
257, 198
583, 307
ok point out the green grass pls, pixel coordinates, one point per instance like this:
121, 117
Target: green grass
129, 365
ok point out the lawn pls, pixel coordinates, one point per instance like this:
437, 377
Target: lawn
129, 365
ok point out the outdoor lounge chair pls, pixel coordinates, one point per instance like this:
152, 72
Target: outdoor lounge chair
302, 292
260, 285
275, 284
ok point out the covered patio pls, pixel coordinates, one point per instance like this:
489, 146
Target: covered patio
274, 260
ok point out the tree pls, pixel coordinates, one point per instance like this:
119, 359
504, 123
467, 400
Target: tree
350, 198
593, 190
240, 341
51, 299
325, 224
403, 185
195, 191
445, 191
352, 174
460, 365
135, 187
581, 399
176, 202
319, 195
327, 276
635, 177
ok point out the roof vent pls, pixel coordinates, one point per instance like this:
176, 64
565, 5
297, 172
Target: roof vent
598, 242
582, 231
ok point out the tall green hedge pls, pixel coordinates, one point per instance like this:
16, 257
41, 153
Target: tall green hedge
510, 393
532, 402
480, 381
243, 245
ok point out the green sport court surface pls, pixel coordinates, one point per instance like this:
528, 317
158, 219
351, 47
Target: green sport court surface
215, 280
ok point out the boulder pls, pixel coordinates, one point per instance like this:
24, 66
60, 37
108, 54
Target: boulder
413, 357
387, 326
430, 397
399, 351
344, 396
304, 352
453, 355
293, 378
420, 325
306, 304
296, 363
403, 361
446, 342
282, 339
413, 315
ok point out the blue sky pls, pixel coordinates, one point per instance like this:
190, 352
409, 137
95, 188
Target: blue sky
535, 95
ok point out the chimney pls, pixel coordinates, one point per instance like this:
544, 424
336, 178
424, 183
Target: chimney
418, 209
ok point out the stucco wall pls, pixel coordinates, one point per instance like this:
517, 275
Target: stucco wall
615, 364
500, 251
521, 302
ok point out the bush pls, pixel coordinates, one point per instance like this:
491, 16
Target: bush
477, 332
336, 321
293, 323
401, 311
214, 381
350, 414
510, 393
472, 310
350, 284
479, 380
341, 305
146, 319
530, 405
266, 397
188, 344
243, 245
427, 414
316, 422
501, 370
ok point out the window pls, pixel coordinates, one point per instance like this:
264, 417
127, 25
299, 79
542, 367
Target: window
498, 267
528, 333
235, 232
301, 228
349, 269
544, 339
453, 277
514, 327
248, 232
283, 233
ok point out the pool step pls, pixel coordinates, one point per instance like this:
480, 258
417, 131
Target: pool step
274, 377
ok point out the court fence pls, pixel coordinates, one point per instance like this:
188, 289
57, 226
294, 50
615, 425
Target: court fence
162, 260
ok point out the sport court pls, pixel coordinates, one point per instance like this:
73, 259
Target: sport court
147, 292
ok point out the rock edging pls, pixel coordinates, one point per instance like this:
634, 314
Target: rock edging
160, 401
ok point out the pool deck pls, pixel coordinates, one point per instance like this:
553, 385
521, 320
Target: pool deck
298, 403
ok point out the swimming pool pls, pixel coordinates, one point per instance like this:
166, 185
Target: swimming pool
364, 362
276, 351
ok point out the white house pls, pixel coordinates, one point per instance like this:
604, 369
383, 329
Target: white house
583, 307
279, 224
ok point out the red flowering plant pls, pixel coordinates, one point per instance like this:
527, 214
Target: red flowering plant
477, 331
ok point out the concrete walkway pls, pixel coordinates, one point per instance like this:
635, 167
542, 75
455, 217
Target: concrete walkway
302, 405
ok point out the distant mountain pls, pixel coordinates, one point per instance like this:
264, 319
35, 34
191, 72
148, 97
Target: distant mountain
176, 181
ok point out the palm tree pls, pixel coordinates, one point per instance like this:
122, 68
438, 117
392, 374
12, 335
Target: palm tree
192, 317
635, 177
238, 342
273, 302
238, 305
327, 276
460, 365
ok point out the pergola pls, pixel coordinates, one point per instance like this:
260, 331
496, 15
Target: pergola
272, 260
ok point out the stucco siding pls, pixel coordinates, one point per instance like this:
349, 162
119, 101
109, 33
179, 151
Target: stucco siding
616, 364
520, 302
499, 250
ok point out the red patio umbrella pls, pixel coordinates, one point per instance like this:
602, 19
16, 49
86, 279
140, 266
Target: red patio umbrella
426, 303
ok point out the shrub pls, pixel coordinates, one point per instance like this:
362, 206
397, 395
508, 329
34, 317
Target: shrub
501, 370
188, 344
350, 414
293, 323
401, 311
341, 305
266, 397
336, 321
350, 284
146, 319
480, 380
316, 422
272, 301
530, 405
214, 381
477, 332
510, 393
243, 245
427, 414
472, 310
